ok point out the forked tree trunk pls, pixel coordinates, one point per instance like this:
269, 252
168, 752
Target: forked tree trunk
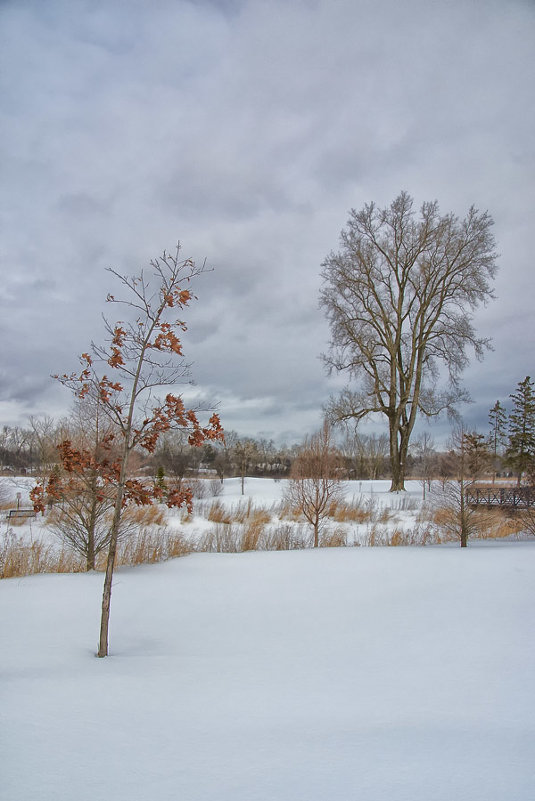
396, 460
316, 534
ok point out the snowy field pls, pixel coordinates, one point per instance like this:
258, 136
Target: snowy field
351, 673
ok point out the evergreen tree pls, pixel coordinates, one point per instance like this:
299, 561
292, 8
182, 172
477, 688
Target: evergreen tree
521, 449
497, 435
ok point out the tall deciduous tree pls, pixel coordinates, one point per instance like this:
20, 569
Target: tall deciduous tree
145, 354
399, 297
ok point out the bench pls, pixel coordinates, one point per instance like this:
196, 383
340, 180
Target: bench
11, 513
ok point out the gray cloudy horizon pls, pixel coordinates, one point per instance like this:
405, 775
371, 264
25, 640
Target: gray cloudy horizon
247, 130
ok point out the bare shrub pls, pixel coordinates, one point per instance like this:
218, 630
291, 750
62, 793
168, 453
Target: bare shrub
199, 487
215, 487
315, 480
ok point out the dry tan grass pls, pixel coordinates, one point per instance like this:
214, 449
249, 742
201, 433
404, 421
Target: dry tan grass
150, 545
289, 511
253, 532
496, 524
343, 512
286, 537
218, 514
337, 538
153, 515
378, 535
253, 535
487, 523
21, 558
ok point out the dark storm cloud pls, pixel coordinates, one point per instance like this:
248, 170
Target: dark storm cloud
247, 129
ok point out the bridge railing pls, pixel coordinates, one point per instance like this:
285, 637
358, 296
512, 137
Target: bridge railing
513, 497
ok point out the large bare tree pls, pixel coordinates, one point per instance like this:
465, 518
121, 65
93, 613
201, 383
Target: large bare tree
399, 297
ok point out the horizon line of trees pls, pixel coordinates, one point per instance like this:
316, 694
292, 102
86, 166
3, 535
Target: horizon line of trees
506, 449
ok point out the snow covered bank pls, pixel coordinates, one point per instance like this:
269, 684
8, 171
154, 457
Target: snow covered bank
374, 674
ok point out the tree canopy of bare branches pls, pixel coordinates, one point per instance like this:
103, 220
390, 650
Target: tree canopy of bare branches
399, 297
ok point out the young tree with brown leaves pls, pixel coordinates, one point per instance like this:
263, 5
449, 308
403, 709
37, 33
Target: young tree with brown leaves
145, 354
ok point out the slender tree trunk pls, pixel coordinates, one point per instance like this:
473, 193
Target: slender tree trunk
91, 528
112, 550
464, 521
463, 512
110, 565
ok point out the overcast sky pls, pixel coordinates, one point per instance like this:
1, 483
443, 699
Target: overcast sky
248, 129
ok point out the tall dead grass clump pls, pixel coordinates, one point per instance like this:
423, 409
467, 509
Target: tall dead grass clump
242, 511
19, 557
253, 532
222, 538
382, 536
289, 511
287, 537
152, 515
337, 538
218, 514
254, 535
496, 524
150, 545
485, 523
234, 537
343, 512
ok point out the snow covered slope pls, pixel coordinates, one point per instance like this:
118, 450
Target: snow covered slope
346, 674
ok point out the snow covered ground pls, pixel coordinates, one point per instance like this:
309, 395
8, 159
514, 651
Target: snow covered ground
347, 673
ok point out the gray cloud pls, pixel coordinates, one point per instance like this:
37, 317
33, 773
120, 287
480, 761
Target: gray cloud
248, 129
